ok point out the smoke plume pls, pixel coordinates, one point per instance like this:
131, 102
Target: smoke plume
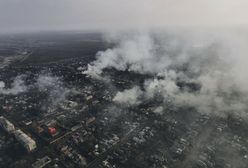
204, 70
17, 86
129, 96
55, 88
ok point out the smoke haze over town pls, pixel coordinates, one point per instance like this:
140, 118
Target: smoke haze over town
123, 84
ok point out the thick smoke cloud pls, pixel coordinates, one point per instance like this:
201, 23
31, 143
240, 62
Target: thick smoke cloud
129, 96
202, 70
135, 53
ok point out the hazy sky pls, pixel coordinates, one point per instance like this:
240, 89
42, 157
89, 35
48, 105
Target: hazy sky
20, 15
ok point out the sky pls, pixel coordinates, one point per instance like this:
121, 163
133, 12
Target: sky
32, 15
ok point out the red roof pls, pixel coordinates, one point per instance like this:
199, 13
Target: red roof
52, 130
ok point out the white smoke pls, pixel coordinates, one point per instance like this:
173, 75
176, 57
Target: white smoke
47, 81
18, 86
150, 53
128, 97
134, 54
2, 84
216, 62
55, 88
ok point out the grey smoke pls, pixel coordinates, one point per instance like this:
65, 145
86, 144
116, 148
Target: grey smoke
2, 84
135, 52
46, 83
216, 61
17, 86
128, 97
55, 88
